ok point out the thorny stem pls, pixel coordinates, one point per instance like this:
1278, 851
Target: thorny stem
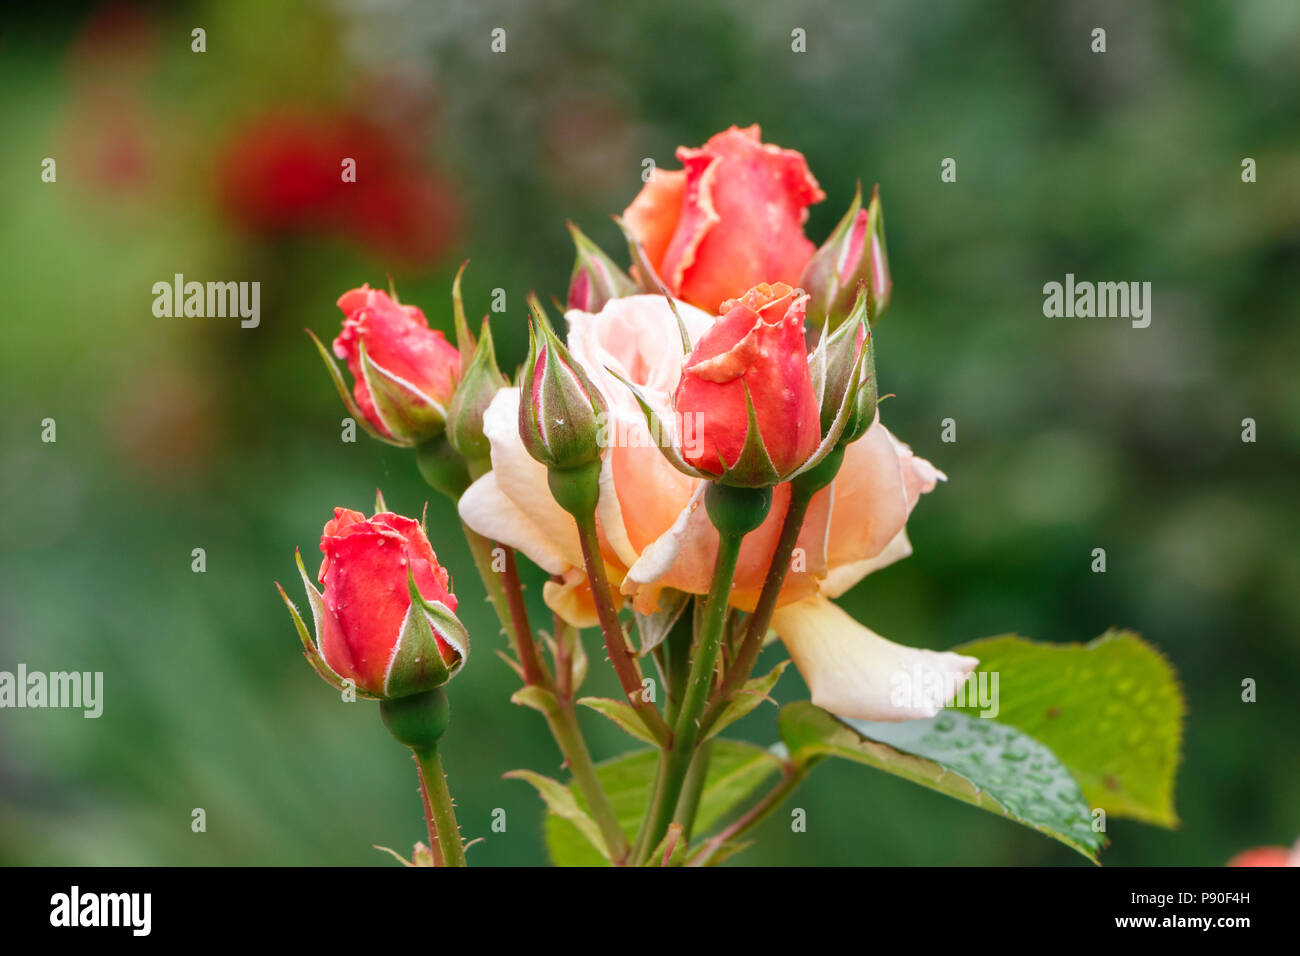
620, 655
438, 806
759, 622
792, 775
677, 757
506, 594
435, 849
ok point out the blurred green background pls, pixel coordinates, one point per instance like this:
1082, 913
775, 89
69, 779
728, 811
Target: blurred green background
1072, 434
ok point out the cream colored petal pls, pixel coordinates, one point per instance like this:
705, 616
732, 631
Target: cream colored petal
490, 512
856, 673
609, 512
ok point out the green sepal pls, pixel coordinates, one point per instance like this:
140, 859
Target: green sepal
479, 384
341, 386
405, 410
417, 664
684, 335
311, 647
830, 277
671, 451
465, 343
538, 312
824, 276
848, 391
753, 467
643, 272
655, 627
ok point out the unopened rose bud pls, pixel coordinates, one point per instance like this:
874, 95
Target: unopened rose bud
596, 278
480, 384
560, 410
746, 391
854, 254
844, 375
386, 619
404, 373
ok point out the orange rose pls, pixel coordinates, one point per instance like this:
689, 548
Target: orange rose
731, 219
655, 534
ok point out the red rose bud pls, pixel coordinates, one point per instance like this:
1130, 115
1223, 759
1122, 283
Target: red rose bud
854, 254
746, 397
404, 373
559, 408
386, 620
480, 384
596, 279
731, 219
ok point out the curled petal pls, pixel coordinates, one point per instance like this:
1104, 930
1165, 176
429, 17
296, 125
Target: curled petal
571, 598
856, 673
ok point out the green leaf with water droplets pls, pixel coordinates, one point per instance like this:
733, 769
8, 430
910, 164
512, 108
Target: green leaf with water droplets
975, 760
736, 770
1112, 710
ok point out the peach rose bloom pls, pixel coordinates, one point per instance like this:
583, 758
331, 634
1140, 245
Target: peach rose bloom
655, 534
731, 218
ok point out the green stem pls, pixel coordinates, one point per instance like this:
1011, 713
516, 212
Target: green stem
756, 628
563, 722
734, 512
507, 598
802, 491
435, 849
433, 784
693, 789
676, 650
506, 595
790, 779
620, 655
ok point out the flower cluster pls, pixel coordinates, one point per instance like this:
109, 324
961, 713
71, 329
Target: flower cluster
700, 445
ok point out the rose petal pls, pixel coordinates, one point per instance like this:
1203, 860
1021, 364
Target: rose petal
856, 673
